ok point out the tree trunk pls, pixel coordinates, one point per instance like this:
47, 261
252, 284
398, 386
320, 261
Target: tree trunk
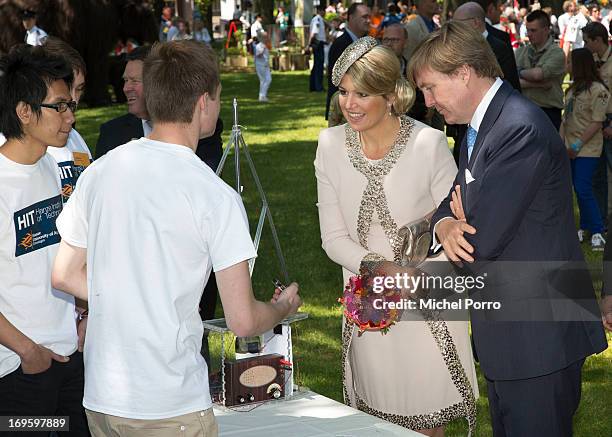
265, 8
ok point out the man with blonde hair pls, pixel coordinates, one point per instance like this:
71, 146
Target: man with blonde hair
140, 235
511, 215
472, 14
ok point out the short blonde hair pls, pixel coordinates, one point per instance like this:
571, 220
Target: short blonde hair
454, 45
378, 73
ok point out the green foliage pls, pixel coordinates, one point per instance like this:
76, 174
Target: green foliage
282, 139
235, 51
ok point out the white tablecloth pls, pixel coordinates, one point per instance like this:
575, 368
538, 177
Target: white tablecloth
306, 414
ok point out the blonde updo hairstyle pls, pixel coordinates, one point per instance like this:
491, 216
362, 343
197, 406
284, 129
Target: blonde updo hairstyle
377, 73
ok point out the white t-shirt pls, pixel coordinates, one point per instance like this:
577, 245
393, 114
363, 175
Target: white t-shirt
30, 202
72, 160
317, 27
35, 36
262, 55
154, 219
256, 29
573, 33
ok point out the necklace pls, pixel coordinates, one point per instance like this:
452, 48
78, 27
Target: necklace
374, 198
364, 145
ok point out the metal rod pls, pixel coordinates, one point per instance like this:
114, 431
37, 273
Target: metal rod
238, 142
237, 135
264, 200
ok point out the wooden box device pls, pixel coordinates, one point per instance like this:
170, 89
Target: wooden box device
255, 379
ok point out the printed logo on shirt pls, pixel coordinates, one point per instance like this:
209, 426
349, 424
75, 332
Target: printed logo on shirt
69, 172
35, 225
66, 174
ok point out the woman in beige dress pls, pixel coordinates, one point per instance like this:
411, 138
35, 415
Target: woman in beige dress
376, 173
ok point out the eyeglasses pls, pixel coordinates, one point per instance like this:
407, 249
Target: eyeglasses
61, 106
391, 40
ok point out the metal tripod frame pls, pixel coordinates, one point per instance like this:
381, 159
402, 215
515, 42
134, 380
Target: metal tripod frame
237, 141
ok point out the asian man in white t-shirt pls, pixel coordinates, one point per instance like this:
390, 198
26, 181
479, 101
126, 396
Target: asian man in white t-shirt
41, 371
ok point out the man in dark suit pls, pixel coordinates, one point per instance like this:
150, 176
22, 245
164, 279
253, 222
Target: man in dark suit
357, 26
512, 225
472, 13
134, 125
492, 10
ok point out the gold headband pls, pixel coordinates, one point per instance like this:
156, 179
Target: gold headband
348, 57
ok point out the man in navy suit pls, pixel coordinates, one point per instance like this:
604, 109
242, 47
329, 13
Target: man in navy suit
135, 124
471, 13
357, 26
512, 220
492, 14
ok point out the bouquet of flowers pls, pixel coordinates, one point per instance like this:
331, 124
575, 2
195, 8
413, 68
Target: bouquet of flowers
367, 309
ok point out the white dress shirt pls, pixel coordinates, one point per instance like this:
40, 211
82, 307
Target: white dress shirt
317, 27
477, 118
35, 36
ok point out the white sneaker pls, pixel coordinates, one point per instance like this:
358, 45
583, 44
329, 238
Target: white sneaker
597, 242
581, 235
263, 99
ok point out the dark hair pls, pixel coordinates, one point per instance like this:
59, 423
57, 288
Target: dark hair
139, 53
26, 73
28, 13
321, 7
392, 8
594, 30
175, 75
584, 71
57, 47
484, 4
539, 15
593, 6
353, 9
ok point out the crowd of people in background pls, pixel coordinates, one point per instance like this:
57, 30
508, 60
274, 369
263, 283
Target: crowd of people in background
556, 70
534, 49
533, 46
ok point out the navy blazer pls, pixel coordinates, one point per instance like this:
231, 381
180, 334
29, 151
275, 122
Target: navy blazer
506, 60
124, 129
520, 202
499, 34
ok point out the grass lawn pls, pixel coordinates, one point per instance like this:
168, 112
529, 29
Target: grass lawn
282, 138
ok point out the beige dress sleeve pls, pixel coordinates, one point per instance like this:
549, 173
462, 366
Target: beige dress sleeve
329, 165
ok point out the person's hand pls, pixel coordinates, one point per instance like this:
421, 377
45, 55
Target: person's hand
607, 132
606, 312
450, 235
81, 331
288, 297
572, 153
276, 295
456, 204
38, 359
